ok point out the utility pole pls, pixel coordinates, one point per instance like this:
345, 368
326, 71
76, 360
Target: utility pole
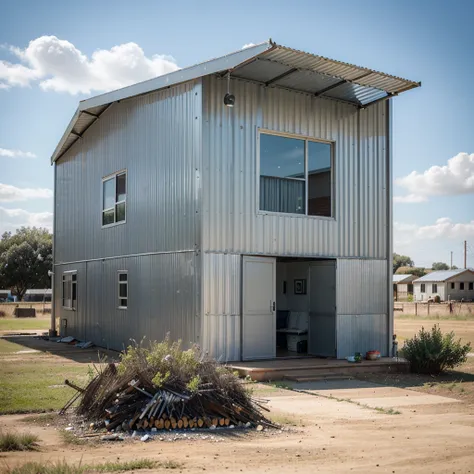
465, 254
451, 260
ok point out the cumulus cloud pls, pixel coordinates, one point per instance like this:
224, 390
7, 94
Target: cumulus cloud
9, 193
5, 152
59, 66
409, 198
12, 219
443, 228
457, 177
248, 45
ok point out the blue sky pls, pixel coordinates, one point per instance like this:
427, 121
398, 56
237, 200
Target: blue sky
430, 41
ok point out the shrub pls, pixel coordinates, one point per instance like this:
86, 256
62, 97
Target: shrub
432, 352
18, 442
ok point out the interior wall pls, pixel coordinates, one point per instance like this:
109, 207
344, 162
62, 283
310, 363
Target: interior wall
289, 272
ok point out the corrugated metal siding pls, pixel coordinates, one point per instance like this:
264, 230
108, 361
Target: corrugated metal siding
362, 306
221, 313
361, 333
155, 137
161, 291
362, 286
231, 222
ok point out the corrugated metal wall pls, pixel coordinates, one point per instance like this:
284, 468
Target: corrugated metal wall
221, 324
161, 290
155, 137
232, 226
362, 306
230, 221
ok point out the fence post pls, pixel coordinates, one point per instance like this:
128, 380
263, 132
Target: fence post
428, 308
416, 309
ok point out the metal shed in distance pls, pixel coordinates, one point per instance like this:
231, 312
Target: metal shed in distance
257, 230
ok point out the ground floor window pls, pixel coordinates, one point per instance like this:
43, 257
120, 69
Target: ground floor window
122, 289
422, 290
434, 288
69, 295
461, 285
471, 285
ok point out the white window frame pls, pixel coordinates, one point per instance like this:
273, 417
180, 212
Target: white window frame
306, 139
120, 299
434, 288
108, 178
422, 288
67, 277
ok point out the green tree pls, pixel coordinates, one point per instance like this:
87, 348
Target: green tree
440, 266
401, 261
25, 258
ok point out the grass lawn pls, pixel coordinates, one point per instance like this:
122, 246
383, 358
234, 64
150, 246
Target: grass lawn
34, 382
20, 324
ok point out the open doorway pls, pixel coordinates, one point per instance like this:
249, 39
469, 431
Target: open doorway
288, 307
305, 307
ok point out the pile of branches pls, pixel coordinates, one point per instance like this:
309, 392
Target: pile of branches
164, 387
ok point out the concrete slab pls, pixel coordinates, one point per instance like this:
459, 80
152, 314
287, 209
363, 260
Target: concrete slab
371, 394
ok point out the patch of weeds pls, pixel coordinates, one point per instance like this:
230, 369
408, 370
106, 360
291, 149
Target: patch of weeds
11, 441
282, 385
69, 438
386, 411
41, 419
123, 466
281, 419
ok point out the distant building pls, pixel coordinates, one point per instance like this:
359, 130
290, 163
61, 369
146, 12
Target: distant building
403, 287
447, 284
38, 295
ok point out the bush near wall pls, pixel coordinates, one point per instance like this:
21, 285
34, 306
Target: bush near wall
432, 352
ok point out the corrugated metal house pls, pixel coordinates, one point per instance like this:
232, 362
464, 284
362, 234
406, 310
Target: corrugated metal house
449, 285
238, 228
403, 286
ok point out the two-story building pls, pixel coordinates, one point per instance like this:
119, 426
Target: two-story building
214, 201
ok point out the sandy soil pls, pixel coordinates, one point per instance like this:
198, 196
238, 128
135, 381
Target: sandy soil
327, 436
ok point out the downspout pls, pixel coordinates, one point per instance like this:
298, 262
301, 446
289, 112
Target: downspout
52, 329
389, 226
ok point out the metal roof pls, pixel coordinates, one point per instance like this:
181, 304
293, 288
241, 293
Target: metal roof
269, 64
442, 275
400, 278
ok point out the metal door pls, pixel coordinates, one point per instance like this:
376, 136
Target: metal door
322, 304
258, 308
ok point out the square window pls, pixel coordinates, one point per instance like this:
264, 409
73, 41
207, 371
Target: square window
295, 175
114, 199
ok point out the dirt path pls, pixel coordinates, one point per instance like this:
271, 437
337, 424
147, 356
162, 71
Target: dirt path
328, 436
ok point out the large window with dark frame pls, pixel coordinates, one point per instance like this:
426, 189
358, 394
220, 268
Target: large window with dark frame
296, 175
114, 198
69, 290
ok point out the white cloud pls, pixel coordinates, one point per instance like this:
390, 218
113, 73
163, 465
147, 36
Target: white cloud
443, 228
5, 152
9, 193
12, 219
409, 198
457, 177
248, 45
59, 66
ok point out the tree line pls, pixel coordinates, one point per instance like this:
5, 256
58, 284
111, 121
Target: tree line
25, 258
406, 265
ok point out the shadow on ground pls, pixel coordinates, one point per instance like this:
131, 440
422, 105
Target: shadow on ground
60, 349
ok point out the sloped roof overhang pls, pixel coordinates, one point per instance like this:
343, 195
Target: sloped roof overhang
269, 64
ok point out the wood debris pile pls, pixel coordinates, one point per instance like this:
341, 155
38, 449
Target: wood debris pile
164, 388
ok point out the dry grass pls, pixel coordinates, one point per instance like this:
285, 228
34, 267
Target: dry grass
11, 441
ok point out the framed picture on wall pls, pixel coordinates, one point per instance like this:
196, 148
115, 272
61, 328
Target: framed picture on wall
300, 287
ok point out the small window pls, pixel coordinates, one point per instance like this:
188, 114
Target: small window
422, 288
295, 175
122, 289
114, 198
453, 285
461, 285
69, 296
471, 285
434, 288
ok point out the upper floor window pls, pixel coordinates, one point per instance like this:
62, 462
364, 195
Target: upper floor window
69, 296
296, 175
114, 198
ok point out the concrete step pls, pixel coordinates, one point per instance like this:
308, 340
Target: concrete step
308, 377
